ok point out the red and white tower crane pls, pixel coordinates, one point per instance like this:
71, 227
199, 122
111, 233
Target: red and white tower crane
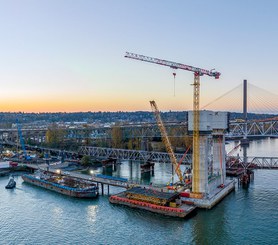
196, 101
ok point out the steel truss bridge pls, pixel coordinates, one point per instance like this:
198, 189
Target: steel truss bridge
236, 129
131, 155
144, 131
252, 162
134, 155
144, 156
254, 129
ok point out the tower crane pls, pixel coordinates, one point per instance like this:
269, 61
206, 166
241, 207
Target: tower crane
196, 101
166, 140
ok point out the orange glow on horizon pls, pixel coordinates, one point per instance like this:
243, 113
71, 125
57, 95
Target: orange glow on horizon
78, 106
97, 102
89, 101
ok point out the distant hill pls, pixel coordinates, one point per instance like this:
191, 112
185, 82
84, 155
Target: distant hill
8, 118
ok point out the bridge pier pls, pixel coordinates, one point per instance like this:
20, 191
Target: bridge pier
144, 144
102, 188
148, 167
130, 167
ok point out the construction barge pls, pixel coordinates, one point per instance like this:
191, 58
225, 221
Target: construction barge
66, 185
157, 201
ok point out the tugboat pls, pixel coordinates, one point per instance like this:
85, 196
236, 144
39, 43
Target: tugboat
11, 183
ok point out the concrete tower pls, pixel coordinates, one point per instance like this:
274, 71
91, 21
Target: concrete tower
210, 122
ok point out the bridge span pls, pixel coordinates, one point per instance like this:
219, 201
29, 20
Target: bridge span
102, 179
267, 128
252, 162
132, 155
144, 156
123, 154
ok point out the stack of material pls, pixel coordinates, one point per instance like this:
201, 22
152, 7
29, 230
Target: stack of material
151, 196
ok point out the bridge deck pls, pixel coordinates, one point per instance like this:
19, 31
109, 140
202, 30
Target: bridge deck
97, 179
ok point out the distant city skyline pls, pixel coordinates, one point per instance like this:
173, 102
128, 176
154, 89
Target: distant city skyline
68, 56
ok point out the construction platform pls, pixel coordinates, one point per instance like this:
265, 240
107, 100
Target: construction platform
154, 200
213, 198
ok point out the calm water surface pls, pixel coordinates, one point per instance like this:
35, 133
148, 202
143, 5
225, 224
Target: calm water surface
30, 215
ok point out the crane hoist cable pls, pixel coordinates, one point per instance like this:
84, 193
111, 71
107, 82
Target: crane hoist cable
174, 74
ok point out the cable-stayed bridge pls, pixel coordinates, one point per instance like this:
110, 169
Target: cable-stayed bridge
262, 120
262, 124
262, 107
259, 101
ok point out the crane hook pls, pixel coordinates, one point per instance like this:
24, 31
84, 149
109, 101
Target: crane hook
174, 74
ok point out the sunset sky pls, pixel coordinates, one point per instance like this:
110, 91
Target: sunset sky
68, 55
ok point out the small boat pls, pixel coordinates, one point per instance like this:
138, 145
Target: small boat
11, 184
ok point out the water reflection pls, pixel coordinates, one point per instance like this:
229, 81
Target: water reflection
91, 213
37, 216
267, 147
57, 216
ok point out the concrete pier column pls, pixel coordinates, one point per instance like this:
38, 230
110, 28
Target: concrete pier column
144, 144
200, 172
219, 163
130, 169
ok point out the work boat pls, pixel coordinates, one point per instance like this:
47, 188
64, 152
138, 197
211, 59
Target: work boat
11, 184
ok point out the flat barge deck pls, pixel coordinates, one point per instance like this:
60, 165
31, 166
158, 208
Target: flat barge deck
65, 185
152, 200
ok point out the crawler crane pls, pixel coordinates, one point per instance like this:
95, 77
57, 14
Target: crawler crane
166, 140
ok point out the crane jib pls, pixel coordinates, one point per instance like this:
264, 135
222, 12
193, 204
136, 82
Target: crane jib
173, 65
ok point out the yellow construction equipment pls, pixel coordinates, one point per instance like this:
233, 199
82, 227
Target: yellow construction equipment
196, 100
166, 140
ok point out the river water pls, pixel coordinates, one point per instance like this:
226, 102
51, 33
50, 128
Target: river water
31, 215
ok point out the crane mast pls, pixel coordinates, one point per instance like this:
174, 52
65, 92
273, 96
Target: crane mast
196, 139
166, 140
196, 101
